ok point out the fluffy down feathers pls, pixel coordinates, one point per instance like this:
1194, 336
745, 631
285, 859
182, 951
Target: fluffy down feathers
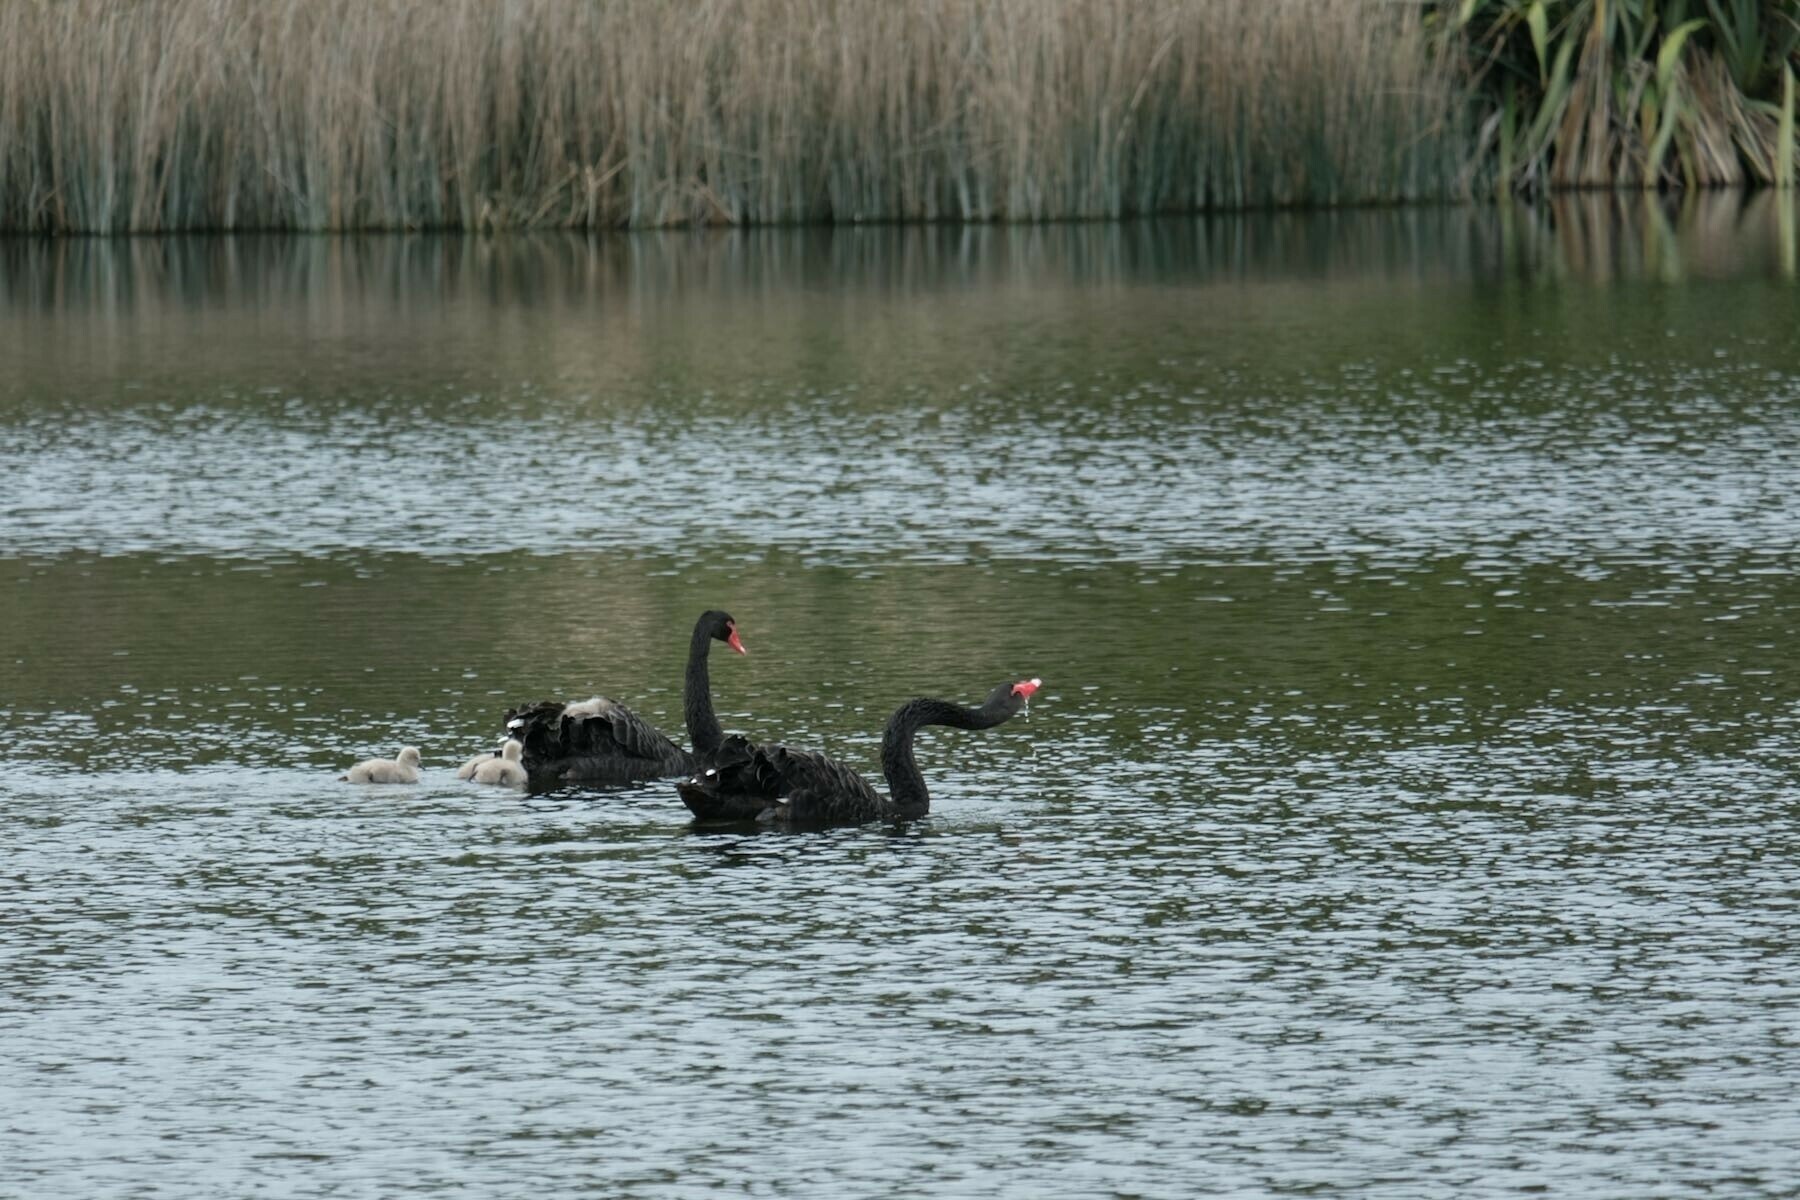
404, 769
506, 770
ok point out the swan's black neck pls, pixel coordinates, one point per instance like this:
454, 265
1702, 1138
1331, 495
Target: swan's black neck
905, 785
703, 728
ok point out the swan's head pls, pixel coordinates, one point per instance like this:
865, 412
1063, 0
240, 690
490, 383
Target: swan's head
720, 626
1010, 699
512, 750
409, 756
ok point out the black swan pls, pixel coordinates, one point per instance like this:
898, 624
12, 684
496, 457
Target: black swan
775, 785
602, 741
402, 769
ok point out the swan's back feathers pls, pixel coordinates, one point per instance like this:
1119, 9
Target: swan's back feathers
773, 783
818, 785
637, 737
741, 785
598, 738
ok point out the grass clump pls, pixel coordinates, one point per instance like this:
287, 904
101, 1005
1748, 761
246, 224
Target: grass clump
1608, 93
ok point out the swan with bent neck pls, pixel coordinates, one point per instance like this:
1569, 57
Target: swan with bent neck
802, 788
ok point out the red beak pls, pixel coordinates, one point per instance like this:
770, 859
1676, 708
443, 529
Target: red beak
1029, 686
731, 639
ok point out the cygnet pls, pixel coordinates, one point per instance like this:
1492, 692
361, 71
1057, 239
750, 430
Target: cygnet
506, 770
404, 769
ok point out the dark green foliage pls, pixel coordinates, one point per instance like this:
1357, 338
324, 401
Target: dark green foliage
1593, 93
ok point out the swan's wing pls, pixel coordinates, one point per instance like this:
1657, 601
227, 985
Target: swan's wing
752, 782
819, 788
815, 774
743, 768
634, 735
739, 786
598, 728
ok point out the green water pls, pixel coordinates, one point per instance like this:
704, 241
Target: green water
1408, 809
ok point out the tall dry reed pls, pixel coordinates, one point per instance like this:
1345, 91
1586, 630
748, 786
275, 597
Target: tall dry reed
141, 115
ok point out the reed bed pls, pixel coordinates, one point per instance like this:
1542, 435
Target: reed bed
159, 115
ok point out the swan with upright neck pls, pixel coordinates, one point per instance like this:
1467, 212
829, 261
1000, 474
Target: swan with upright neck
602, 741
802, 788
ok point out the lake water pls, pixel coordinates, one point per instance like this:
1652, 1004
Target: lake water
1410, 809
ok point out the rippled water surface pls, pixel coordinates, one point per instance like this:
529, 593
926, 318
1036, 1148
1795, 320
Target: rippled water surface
1410, 809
